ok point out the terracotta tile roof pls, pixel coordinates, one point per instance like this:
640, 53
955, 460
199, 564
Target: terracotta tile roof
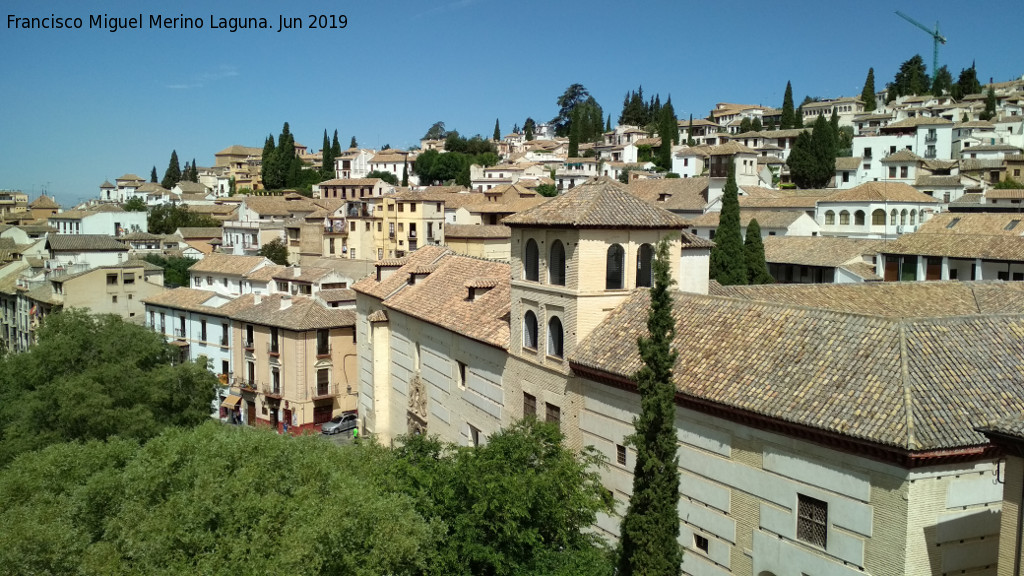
984, 236
44, 202
377, 316
337, 295
832, 251
936, 164
863, 270
729, 149
848, 162
915, 384
773, 219
693, 242
238, 150
228, 264
974, 165
1011, 425
390, 157
598, 203
306, 273
928, 180
993, 148
880, 192
674, 194
89, 242
914, 122
442, 297
1004, 193
399, 278
303, 314
200, 233
969, 199
767, 198
902, 156
278, 205
264, 274
476, 231
510, 207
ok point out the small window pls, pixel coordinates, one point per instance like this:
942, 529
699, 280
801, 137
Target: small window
812, 520
556, 264
878, 218
461, 382
474, 435
530, 330
700, 543
113, 299
844, 218
552, 413
531, 261
555, 333
129, 278
620, 454
830, 218
202, 330
529, 405
615, 267
858, 218
111, 279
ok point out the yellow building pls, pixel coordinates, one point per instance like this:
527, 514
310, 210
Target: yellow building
393, 225
295, 362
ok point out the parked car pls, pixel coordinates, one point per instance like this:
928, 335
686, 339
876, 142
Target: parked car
341, 423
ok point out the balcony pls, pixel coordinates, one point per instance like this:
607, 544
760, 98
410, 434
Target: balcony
271, 392
245, 385
323, 351
929, 153
273, 349
931, 138
179, 333
412, 233
324, 391
249, 345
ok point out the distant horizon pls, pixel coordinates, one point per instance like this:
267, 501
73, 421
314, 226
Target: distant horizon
87, 105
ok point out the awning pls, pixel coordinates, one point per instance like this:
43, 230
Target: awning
231, 402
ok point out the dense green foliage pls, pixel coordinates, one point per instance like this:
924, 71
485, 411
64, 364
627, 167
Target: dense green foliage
276, 251
911, 79
281, 166
728, 264
227, 500
528, 127
989, 112
166, 218
967, 83
385, 176
753, 253
175, 268
668, 130
1008, 184
436, 132
546, 190
93, 377
327, 157
173, 173
867, 94
352, 143
788, 119
812, 161
942, 82
454, 142
574, 95
497, 130
650, 528
152, 175
134, 204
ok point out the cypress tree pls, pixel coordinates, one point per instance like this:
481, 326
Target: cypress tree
689, 133
497, 130
650, 528
608, 124
405, 175
574, 135
728, 264
152, 176
788, 118
668, 129
990, 105
326, 159
352, 143
268, 164
173, 173
194, 176
753, 253
867, 95
756, 125
335, 146
528, 127
833, 124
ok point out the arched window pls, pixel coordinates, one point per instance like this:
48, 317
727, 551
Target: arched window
555, 337
615, 268
644, 261
531, 261
844, 218
878, 218
858, 218
556, 264
903, 218
830, 218
530, 330
892, 217
913, 217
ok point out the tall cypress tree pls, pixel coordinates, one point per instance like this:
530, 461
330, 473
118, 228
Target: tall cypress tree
268, 164
753, 253
173, 173
668, 128
788, 118
405, 175
728, 264
689, 133
990, 105
497, 130
326, 159
867, 95
194, 175
650, 528
352, 143
574, 134
152, 176
335, 145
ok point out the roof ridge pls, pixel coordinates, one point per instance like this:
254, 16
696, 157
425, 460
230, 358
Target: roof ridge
908, 398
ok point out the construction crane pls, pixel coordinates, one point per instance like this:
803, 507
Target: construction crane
938, 38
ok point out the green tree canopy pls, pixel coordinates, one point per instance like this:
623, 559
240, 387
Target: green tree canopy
943, 82
385, 176
497, 130
728, 265
788, 118
912, 78
668, 131
436, 132
867, 95
173, 173
650, 528
134, 204
327, 159
166, 218
528, 127
93, 377
753, 252
573, 95
276, 251
152, 176
813, 158
990, 105
352, 143
175, 268
967, 83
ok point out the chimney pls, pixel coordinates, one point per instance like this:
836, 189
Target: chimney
256, 298
296, 271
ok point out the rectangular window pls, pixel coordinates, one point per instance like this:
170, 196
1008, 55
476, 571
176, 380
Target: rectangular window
275, 347
812, 520
412, 207
401, 207
111, 279
892, 171
379, 226
461, 382
553, 413
867, 152
700, 543
903, 171
223, 334
323, 382
529, 405
202, 330
323, 346
129, 278
113, 299
224, 367
620, 454
474, 435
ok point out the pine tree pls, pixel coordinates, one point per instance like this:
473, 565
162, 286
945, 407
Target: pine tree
650, 528
728, 264
152, 176
753, 254
497, 130
173, 173
352, 143
867, 95
788, 119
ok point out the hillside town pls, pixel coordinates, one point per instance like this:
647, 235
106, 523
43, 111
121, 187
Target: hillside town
862, 412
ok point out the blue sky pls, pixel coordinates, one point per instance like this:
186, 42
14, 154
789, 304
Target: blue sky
82, 106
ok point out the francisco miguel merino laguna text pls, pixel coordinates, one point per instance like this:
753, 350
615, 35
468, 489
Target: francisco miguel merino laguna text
180, 22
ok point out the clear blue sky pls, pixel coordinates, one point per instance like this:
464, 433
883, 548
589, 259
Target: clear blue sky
82, 106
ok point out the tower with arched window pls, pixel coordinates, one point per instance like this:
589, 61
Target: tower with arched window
574, 259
